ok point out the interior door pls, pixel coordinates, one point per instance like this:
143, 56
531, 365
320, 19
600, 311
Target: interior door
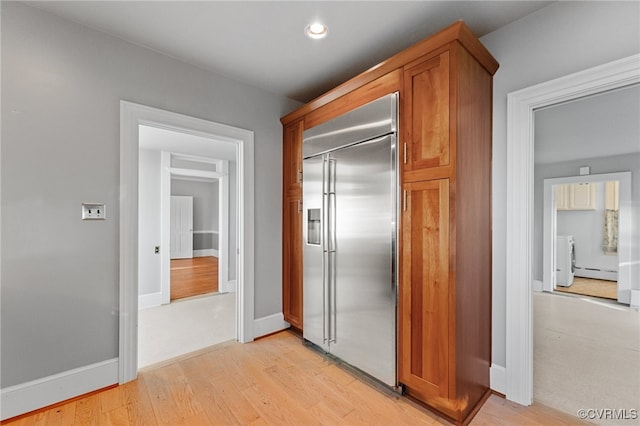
181, 227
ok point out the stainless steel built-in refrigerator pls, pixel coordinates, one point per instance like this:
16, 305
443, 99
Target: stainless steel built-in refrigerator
350, 188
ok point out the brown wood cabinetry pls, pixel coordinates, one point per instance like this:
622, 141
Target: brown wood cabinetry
292, 224
426, 113
425, 290
444, 288
445, 277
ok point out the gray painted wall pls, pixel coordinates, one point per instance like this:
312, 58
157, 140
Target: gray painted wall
61, 88
560, 39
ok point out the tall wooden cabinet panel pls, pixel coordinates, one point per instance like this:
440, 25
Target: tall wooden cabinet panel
426, 113
448, 132
444, 245
292, 224
424, 305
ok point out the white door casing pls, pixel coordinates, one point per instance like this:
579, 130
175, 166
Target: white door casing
131, 117
520, 174
181, 227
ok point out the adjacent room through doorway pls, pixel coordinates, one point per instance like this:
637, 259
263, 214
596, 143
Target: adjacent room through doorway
186, 274
582, 330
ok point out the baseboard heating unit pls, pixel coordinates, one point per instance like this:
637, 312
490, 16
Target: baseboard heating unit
596, 273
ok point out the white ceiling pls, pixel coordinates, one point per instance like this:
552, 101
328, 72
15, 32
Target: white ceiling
597, 126
262, 43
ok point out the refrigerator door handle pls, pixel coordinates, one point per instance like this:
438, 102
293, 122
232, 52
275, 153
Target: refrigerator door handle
332, 249
332, 205
326, 261
334, 311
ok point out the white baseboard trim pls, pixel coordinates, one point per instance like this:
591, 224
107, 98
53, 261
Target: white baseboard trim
634, 299
497, 378
229, 287
537, 285
269, 324
206, 252
29, 396
149, 300
598, 274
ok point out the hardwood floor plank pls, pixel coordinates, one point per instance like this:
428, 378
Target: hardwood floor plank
193, 277
224, 384
326, 415
164, 407
272, 381
276, 407
203, 372
592, 287
63, 415
139, 407
88, 410
305, 395
308, 379
241, 409
111, 399
116, 417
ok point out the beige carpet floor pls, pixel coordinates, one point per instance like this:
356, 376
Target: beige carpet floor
586, 354
185, 325
592, 287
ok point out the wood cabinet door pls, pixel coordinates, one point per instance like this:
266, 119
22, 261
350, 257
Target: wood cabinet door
292, 223
292, 262
583, 196
426, 112
424, 289
292, 156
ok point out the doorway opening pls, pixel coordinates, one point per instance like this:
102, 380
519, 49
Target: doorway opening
183, 244
206, 139
520, 206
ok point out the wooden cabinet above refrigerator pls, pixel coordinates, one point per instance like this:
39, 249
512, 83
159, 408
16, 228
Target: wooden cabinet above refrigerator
444, 150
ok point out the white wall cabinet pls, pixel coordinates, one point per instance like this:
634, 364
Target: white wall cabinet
576, 196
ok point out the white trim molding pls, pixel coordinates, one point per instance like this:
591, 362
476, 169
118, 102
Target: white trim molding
270, 324
26, 397
520, 173
497, 378
205, 252
131, 117
229, 286
149, 300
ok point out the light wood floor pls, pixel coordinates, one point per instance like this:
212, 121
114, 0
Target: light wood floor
592, 287
272, 381
193, 277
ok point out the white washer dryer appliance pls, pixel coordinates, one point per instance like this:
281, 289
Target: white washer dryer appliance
565, 260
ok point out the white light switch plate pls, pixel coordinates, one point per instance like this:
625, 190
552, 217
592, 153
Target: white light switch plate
94, 211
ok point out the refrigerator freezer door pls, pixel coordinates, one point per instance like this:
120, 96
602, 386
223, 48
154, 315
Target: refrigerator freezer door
314, 259
364, 291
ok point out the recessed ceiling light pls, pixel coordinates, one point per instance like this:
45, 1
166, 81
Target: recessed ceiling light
316, 30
